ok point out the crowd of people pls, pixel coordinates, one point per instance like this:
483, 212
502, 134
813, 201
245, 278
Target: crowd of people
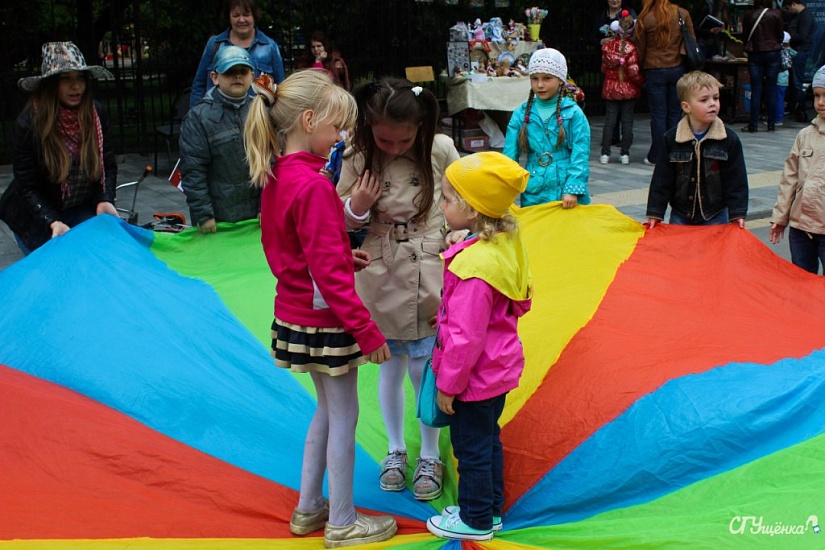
441, 278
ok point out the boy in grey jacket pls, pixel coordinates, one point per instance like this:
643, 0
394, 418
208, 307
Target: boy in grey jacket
214, 170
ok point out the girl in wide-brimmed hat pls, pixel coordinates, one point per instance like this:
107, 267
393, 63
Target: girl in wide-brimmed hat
64, 168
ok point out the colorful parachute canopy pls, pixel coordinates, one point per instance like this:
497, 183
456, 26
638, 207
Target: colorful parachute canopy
672, 395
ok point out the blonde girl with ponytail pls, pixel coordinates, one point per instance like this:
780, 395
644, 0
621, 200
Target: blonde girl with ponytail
321, 327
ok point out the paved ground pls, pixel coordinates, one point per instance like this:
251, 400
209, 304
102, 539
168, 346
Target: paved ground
622, 186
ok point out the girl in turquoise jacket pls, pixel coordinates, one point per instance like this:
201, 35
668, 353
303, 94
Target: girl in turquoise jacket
553, 133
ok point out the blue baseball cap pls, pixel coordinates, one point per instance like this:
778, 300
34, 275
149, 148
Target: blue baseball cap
231, 56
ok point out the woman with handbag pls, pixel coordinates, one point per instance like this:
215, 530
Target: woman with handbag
763, 27
660, 48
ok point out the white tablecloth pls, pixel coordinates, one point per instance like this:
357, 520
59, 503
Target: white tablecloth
502, 93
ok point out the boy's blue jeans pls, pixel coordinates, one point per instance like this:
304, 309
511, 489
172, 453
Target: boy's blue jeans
475, 435
719, 219
780, 103
807, 249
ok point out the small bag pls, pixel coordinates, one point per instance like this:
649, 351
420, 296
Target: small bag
693, 54
428, 410
787, 59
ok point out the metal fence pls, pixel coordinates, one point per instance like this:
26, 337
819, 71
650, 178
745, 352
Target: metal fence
390, 36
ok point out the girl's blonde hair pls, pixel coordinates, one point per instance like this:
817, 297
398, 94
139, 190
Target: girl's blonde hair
270, 121
44, 106
486, 226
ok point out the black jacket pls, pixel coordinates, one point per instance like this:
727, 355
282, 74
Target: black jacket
802, 28
32, 201
699, 179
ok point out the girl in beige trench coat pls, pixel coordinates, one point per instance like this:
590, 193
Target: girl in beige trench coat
400, 161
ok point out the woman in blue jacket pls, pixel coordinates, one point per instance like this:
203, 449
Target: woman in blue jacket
241, 15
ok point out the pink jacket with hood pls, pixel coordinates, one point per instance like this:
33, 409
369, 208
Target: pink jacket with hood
478, 354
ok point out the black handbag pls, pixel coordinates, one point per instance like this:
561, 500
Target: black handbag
694, 58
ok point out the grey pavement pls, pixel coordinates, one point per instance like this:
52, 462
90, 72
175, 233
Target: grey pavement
624, 186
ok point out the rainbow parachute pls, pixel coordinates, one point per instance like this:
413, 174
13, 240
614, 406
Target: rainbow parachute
673, 395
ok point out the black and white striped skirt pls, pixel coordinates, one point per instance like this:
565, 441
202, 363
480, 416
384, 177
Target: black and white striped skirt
321, 349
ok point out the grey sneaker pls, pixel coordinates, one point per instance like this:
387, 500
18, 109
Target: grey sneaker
428, 479
393, 476
365, 530
304, 523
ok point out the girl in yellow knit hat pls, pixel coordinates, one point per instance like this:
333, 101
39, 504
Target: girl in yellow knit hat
478, 356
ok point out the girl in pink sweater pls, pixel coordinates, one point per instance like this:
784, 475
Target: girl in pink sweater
321, 326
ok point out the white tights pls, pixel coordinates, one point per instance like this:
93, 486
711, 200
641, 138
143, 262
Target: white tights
391, 398
330, 445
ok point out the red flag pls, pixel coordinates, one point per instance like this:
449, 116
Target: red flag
175, 177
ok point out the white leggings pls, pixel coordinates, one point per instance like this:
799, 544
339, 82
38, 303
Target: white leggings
391, 398
330, 445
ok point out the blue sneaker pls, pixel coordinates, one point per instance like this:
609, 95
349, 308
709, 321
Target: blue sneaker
450, 526
497, 524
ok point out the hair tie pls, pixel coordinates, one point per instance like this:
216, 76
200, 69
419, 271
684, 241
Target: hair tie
559, 120
265, 87
416, 90
526, 118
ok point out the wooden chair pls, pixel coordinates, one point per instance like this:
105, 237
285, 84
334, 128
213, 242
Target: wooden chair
422, 74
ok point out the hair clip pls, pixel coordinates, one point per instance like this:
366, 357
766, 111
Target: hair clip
417, 90
265, 87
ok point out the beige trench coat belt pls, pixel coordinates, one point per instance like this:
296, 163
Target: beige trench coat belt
400, 232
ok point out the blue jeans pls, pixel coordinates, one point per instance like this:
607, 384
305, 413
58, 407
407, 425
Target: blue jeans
807, 249
618, 111
780, 103
476, 438
796, 93
764, 68
719, 219
665, 109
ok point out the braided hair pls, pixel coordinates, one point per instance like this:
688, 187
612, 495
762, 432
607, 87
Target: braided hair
523, 142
